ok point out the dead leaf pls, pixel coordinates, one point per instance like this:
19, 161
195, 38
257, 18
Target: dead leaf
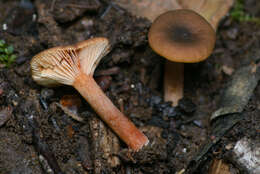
212, 10
148, 8
238, 92
70, 105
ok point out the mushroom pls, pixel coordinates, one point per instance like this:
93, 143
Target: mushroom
180, 36
75, 65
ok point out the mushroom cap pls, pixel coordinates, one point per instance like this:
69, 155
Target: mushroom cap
62, 64
182, 36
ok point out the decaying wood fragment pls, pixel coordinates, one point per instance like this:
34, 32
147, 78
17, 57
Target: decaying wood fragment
246, 155
219, 167
105, 146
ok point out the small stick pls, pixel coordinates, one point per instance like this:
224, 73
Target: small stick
88, 7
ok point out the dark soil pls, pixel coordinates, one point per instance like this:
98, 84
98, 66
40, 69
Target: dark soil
37, 136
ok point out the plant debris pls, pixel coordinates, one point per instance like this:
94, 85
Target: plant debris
38, 137
238, 92
232, 103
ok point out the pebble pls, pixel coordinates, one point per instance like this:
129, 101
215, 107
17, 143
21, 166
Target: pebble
5, 27
187, 105
232, 33
198, 123
47, 93
104, 82
159, 122
155, 100
171, 111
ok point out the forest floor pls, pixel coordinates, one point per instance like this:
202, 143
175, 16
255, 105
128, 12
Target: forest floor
38, 136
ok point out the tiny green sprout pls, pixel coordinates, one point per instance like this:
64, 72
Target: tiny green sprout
7, 57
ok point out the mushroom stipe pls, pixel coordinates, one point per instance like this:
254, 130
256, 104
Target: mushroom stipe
75, 65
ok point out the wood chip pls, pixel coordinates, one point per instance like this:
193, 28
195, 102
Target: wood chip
219, 167
227, 70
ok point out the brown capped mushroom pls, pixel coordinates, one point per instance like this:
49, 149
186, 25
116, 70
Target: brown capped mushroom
74, 65
180, 36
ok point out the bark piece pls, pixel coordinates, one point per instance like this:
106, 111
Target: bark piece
105, 146
219, 167
246, 155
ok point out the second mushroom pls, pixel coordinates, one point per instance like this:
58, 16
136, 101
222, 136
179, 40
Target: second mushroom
75, 65
180, 36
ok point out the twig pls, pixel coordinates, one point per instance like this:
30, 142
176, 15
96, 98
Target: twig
88, 7
53, 4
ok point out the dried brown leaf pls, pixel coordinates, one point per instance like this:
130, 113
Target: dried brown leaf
148, 8
212, 10
70, 104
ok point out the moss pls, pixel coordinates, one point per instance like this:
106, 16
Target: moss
238, 13
7, 57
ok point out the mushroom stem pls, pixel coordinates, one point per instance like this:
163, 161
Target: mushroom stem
173, 81
118, 122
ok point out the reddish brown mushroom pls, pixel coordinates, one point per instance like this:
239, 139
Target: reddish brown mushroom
74, 65
180, 36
